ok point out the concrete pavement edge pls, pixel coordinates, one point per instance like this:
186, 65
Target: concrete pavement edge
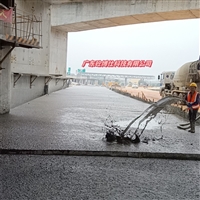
154, 155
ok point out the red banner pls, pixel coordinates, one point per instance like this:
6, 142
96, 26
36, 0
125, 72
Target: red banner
117, 63
6, 15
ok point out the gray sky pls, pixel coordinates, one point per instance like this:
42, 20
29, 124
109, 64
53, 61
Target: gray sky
169, 44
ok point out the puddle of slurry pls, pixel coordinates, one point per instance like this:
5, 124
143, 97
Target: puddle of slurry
153, 124
130, 132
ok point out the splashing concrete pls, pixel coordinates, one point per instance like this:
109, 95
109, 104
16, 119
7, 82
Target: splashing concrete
115, 132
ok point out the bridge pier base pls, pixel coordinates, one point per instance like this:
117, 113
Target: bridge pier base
5, 83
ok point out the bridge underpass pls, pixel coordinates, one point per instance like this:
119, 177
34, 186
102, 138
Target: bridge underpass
58, 18
43, 124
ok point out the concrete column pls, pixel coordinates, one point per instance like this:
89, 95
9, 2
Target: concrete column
5, 82
104, 80
125, 82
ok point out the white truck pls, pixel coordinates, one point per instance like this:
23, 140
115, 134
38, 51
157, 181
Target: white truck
176, 83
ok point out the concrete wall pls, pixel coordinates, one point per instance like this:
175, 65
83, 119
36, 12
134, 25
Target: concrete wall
50, 59
22, 93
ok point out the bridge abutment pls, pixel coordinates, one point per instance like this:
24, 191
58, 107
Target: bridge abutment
28, 69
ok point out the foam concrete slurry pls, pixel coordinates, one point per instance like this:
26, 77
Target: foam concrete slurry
73, 119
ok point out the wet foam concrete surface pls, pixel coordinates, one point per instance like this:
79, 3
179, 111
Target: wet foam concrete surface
27, 177
73, 119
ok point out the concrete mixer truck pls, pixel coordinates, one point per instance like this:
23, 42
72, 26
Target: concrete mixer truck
176, 83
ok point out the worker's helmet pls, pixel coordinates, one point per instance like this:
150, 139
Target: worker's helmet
193, 84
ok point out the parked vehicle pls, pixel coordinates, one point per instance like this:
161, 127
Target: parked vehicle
134, 85
176, 83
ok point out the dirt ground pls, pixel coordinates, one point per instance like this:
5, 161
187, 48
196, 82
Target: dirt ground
148, 93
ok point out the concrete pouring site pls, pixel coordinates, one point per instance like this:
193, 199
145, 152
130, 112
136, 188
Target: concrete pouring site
71, 122
73, 119
54, 117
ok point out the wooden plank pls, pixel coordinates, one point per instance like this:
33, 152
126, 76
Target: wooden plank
28, 41
11, 37
32, 41
24, 40
19, 39
35, 42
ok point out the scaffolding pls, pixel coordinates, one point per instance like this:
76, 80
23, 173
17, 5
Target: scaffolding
25, 30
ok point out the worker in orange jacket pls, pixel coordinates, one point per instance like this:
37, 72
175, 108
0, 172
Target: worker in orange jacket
193, 101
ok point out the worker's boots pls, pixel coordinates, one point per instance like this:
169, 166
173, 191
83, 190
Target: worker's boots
192, 127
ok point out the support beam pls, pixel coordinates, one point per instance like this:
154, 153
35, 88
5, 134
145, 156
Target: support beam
16, 77
57, 80
47, 79
65, 82
32, 79
75, 16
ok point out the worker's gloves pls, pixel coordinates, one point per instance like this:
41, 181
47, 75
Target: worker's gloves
189, 105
